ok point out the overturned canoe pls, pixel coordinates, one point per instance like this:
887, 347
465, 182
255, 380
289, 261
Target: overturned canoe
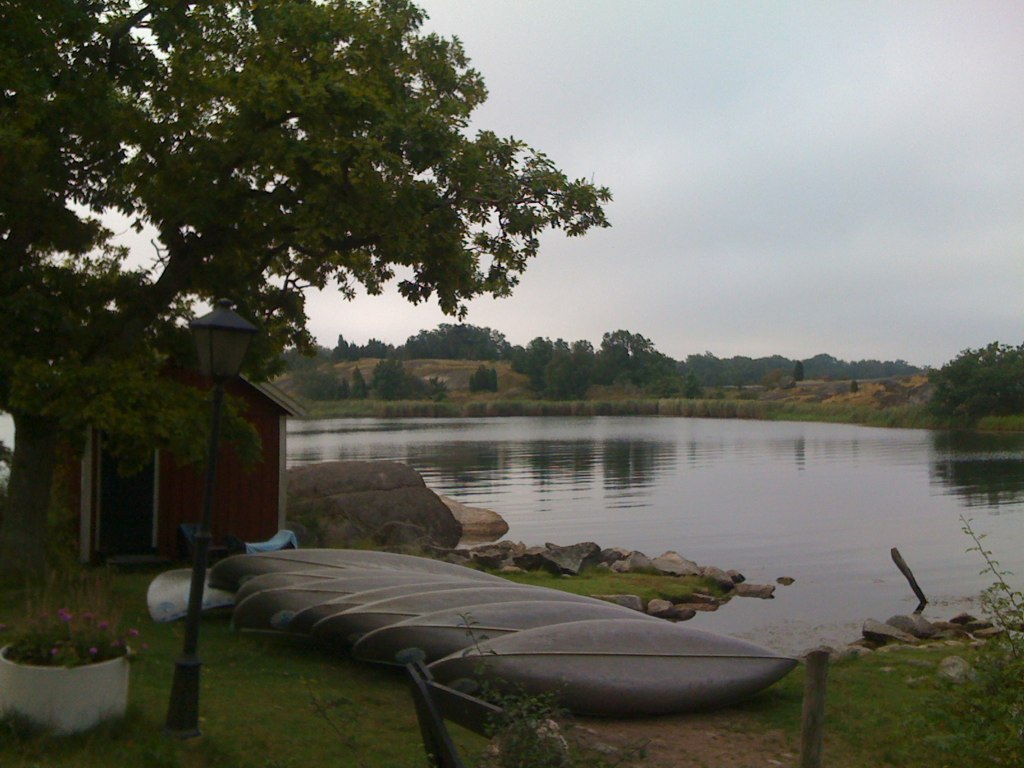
344, 628
432, 636
167, 596
344, 581
304, 621
276, 608
276, 579
230, 572
618, 667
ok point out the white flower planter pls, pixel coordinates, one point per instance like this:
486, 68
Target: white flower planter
64, 700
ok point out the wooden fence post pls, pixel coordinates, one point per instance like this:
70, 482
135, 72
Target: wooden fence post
812, 727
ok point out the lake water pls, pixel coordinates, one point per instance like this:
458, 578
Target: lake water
820, 503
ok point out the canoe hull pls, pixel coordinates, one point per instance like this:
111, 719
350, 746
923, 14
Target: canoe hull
278, 608
231, 572
618, 668
433, 636
168, 594
345, 628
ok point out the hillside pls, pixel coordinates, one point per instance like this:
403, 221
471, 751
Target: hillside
878, 393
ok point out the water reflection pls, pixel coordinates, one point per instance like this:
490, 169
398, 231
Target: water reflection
635, 463
982, 469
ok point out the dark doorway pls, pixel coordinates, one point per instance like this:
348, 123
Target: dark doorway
126, 509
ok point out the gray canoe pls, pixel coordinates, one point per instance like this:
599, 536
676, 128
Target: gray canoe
343, 629
167, 596
275, 580
435, 635
618, 667
230, 572
304, 621
343, 581
275, 608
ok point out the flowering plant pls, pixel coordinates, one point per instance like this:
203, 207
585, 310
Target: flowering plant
66, 639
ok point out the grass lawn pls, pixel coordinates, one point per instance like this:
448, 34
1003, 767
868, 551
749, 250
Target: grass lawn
266, 702
272, 701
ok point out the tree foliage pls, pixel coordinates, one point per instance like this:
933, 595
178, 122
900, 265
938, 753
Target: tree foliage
359, 390
483, 379
980, 382
268, 148
456, 342
392, 382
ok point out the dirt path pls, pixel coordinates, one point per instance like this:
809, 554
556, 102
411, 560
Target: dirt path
710, 740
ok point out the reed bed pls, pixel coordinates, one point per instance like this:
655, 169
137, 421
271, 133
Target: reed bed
911, 416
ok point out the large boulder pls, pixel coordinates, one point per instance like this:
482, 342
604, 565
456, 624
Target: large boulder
478, 524
375, 503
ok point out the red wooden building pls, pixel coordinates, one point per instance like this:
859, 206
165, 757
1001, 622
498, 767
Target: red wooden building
142, 514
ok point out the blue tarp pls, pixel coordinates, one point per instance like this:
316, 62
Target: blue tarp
283, 539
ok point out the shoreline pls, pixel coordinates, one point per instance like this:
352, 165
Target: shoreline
902, 416
734, 612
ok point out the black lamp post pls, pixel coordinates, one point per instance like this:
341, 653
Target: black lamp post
222, 339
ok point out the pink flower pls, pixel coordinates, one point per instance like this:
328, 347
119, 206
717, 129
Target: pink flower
93, 651
54, 651
133, 633
65, 615
103, 625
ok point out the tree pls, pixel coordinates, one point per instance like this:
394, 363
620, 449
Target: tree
569, 372
457, 342
270, 148
483, 379
359, 390
798, 371
533, 360
320, 384
344, 351
980, 382
630, 358
390, 380
691, 387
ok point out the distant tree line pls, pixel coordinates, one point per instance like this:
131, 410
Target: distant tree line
561, 370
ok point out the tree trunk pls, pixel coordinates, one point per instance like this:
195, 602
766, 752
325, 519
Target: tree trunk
24, 527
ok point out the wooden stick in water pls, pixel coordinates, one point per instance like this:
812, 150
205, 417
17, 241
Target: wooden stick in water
905, 570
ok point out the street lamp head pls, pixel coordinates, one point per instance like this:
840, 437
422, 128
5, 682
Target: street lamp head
222, 339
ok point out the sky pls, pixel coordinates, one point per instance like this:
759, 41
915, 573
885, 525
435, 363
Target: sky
788, 177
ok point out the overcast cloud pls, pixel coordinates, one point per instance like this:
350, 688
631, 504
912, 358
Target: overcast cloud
789, 178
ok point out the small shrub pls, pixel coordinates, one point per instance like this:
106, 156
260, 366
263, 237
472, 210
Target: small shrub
983, 719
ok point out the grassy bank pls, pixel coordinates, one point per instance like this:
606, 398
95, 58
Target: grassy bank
276, 702
1002, 423
910, 416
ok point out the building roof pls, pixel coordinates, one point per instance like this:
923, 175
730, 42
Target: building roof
285, 402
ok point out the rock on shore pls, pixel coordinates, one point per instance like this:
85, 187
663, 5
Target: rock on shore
381, 503
478, 524
569, 560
